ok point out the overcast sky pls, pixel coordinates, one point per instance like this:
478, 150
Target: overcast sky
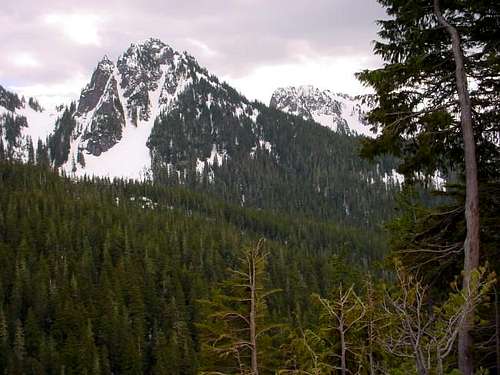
49, 48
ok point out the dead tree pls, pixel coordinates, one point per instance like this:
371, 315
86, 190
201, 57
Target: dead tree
427, 335
345, 311
471, 245
237, 316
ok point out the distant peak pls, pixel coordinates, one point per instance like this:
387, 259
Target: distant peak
154, 42
311, 91
149, 43
306, 88
302, 90
105, 63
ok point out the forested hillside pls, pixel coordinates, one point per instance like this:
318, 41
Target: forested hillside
275, 161
104, 277
183, 126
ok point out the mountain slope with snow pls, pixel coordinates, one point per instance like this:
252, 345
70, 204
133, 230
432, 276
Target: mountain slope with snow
339, 112
117, 109
155, 113
23, 122
116, 113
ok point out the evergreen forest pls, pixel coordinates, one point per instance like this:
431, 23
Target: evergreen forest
281, 260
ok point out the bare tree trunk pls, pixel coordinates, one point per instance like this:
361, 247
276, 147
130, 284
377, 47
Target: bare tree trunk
471, 244
497, 328
253, 314
343, 365
420, 362
370, 350
439, 359
370, 325
371, 334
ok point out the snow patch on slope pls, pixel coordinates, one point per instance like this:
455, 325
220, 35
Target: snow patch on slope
325, 120
130, 157
338, 112
40, 124
394, 178
214, 157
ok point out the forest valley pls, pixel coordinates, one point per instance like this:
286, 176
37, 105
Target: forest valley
101, 276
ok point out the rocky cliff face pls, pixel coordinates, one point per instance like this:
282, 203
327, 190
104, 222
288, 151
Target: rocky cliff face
156, 113
100, 108
339, 112
117, 111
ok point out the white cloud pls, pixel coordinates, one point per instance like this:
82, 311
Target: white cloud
336, 74
56, 93
202, 47
24, 60
80, 28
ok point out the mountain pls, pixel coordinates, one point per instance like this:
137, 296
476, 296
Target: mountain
23, 122
157, 114
339, 112
109, 127
106, 276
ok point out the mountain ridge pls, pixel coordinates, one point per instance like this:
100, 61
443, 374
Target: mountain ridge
156, 114
336, 111
123, 99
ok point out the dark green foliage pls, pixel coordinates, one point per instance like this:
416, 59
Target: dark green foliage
267, 159
60, 141
80, 159
416, 109
429, 240
42, 154
35, 105
10, 128
415, 106
2, 149
103, 277
9, 100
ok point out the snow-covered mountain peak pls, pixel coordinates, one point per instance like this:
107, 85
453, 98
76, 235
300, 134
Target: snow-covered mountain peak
117, 109
105, 64
337, 111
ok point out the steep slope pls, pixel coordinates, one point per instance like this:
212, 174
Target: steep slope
155, 113
22, 124
270, 160
111, 124
117, 110
339, 112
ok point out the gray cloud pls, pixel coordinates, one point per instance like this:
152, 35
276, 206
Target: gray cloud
46, 42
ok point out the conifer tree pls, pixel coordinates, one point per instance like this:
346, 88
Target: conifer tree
4, 341
236, 323
31, 151
2, 149
19, 347
426, 112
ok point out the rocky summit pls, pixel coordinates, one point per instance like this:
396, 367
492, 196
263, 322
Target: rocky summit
339, 112
155, 113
